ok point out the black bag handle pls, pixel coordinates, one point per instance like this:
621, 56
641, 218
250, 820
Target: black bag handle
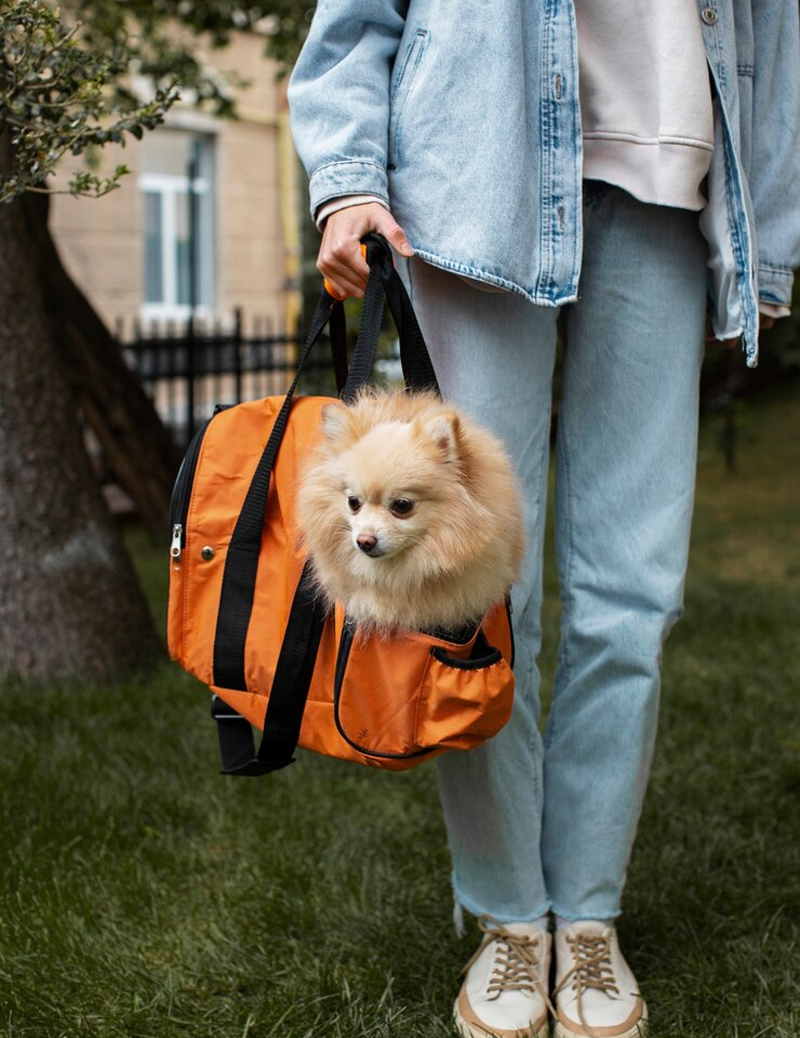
338, 334
304, 628
384, 282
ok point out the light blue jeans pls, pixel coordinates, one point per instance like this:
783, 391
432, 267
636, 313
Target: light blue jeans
536, 824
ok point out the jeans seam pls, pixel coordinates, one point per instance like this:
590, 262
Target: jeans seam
541, 526
565, 577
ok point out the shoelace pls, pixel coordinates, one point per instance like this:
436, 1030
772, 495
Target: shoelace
517, 959
592, 969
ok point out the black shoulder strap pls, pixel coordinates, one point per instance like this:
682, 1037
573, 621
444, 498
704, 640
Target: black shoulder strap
241, 562
287, 698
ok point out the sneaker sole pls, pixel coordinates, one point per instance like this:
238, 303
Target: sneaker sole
468, 1030
639, 1029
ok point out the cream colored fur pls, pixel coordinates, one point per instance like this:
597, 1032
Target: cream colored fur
459, 548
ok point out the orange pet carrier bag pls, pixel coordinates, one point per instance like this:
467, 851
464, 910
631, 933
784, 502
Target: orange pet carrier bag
243, 616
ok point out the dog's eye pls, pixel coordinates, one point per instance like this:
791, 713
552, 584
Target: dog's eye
353, 504
401, 507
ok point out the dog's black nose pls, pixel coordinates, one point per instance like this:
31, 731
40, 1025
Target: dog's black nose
366, 541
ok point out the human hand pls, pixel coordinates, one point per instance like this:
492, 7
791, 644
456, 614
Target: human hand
340, 260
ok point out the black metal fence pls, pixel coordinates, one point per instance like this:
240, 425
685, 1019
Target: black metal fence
187, 370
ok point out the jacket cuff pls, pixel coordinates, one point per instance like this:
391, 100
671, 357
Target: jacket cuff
344, 203
775, 285
347, 177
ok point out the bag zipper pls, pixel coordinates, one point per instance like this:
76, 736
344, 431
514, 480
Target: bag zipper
509, 615
182, 491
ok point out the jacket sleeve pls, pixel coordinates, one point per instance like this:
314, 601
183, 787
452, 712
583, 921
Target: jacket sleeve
775, 168
339, 96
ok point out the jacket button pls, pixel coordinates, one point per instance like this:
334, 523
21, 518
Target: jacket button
709, 15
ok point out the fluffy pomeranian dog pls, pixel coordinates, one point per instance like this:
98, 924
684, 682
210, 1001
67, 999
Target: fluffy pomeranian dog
411, 513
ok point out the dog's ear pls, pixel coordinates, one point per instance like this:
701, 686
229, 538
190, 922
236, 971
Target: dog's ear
443, 431
335, 421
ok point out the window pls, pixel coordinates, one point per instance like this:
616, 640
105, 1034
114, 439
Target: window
179, 248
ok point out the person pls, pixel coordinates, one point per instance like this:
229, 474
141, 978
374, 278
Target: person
617, 172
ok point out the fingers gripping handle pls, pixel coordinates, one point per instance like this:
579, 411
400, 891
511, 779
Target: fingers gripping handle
329, 287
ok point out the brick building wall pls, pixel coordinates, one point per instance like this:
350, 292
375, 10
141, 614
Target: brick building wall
118, 247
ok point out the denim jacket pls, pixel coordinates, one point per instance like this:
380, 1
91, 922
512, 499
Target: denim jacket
464, 116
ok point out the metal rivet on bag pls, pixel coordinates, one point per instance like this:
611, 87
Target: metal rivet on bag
709, 15
208, 553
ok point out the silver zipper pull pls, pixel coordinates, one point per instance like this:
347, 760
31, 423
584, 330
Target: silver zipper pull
175, 548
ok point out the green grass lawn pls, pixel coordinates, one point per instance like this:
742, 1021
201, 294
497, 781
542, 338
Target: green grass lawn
144, 895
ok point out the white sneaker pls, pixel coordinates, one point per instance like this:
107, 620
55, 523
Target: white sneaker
596, 994
504, 993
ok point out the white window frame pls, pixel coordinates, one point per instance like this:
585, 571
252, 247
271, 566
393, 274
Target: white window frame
169, 187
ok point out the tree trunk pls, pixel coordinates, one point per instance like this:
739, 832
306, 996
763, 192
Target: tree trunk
70, 601
136, 445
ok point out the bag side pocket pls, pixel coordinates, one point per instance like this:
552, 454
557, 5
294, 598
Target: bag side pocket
463, 702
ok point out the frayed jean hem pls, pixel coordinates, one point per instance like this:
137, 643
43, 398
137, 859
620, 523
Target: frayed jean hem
573, 918
462, 903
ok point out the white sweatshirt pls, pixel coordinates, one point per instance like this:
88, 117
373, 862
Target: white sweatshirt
645, 98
